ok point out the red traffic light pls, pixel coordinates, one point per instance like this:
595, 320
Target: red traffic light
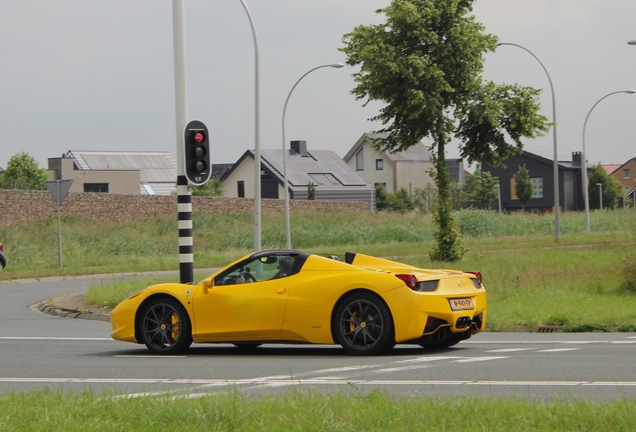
198, 137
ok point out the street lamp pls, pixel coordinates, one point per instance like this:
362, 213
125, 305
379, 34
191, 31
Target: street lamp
286, 193
555, 162
631, 42
257, 147
586, 198
600, 194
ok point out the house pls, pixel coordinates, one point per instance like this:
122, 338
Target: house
407, 169
117, 172
541, 172
626, 175
332, 178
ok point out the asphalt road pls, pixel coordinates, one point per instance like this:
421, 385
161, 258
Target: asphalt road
42, 351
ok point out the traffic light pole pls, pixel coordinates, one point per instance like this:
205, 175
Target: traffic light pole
184, 196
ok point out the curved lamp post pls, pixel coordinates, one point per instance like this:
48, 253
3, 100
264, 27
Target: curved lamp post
286, 193
554, 132
257, 147
586, 197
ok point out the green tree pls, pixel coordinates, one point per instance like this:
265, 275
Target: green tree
400, 201
425, 64
311, 191
381, 199
481, 187
523, 186
211, 188
612, 188
23, 172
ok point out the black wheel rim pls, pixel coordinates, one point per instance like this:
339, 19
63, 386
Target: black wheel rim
361, 324
162, 326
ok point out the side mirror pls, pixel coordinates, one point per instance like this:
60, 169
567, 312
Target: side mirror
208, 284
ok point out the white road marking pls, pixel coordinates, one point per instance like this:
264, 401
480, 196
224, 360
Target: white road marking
478, 359
399, 369
427, 359
509, 350
559, 349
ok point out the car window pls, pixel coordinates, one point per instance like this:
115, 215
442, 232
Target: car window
256, 270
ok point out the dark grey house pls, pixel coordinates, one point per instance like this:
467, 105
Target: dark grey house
333, 179
541, 171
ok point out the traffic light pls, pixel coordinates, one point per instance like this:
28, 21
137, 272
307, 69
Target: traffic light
197, 153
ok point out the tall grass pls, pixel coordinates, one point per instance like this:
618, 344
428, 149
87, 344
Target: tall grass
89, 247
308, 411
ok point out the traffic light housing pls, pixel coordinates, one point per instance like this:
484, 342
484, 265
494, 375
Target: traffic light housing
197, 153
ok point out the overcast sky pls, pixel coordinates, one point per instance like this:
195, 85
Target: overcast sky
98, 74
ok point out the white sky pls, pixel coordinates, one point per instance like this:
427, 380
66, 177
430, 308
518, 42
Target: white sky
98, 74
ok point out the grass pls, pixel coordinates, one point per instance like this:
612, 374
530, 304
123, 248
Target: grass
579, 282
308, 411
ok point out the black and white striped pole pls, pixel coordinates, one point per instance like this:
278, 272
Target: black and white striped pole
197, 170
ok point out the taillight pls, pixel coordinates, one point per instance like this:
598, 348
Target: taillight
477, 274
1, 248
409, 280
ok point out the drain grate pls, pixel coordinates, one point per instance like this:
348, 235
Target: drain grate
549, 328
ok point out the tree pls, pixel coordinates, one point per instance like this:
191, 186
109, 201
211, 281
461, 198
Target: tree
23, 172
400, 201
211, 188
381, 199
523, 186
481, 187
612, 188
425, 64
311, 191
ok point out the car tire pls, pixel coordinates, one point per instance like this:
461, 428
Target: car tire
165, 326
363, 325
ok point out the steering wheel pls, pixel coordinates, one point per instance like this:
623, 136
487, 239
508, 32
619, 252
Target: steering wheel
247, 276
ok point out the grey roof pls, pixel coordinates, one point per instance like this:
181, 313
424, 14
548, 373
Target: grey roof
153, 167
415, 153
321, 167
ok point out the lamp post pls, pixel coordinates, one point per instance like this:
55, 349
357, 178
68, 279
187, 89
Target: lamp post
286, 193
257, 147
586, 198
499, 196
555, 162
600, 194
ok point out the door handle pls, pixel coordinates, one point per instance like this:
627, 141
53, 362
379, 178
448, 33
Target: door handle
282, 292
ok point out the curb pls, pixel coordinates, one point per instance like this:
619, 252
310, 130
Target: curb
70, 313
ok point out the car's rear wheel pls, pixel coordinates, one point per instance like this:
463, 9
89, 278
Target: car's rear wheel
363, 325
165, 326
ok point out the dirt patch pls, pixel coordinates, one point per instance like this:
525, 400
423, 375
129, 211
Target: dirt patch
76, 302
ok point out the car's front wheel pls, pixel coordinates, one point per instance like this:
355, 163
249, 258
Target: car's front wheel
363, 325
165, 326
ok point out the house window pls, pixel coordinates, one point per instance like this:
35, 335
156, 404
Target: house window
626, 174
240, 185
375, 185
537, 187
360, 161
379, 164
627, 190
96, 187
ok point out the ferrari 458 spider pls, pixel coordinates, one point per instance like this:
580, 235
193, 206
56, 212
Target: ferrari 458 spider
365, 304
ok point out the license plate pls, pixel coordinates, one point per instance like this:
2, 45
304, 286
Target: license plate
462, 304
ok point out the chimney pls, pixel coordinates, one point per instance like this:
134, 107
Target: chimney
576, 158
299, 147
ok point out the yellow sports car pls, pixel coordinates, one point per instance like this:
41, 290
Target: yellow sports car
365, 304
